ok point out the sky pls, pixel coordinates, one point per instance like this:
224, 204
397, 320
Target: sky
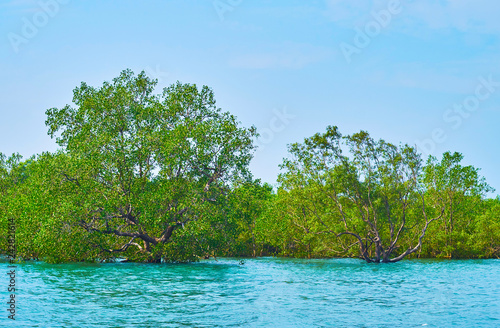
422, 72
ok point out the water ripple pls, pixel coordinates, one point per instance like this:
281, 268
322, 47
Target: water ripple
263, 292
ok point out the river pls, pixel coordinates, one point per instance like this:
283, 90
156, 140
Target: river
264, 292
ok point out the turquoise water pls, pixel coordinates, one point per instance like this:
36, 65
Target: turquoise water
266, 292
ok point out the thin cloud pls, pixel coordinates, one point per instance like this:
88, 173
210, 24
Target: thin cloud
285, 57
461, 15
21, 6
480, 16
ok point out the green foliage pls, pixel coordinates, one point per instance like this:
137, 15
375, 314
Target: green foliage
339, 192
136, 169
485, 240
164, 177
247, 204
460, 190
363, 199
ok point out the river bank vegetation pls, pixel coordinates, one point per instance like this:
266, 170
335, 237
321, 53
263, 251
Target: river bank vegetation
164, 177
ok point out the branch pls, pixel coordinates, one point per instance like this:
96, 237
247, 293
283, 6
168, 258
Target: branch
422, 235
123, 248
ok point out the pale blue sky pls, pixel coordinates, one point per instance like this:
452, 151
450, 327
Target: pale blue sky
426, 68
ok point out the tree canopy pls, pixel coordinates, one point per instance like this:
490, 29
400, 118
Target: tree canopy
370, 194
137, 166
165, 176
